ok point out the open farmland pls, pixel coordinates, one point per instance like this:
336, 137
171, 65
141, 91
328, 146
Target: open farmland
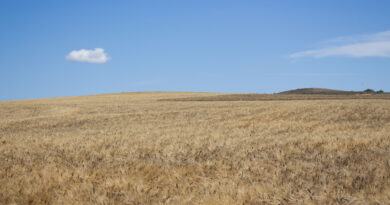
191, 148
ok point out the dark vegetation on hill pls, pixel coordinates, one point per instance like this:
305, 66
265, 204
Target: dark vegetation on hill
324, 91
317, 91
298, 94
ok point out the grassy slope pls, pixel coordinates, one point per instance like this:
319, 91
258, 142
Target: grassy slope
132, 148
321, 91
280, 97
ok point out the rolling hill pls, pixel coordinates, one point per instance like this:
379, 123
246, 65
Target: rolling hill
318, 91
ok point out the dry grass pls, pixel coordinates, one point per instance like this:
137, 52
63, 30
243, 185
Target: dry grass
278, 97
132, 148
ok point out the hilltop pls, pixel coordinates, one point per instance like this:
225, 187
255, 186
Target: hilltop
324, 91
318, 91
297, 94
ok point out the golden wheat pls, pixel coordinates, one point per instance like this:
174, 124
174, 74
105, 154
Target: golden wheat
133, 148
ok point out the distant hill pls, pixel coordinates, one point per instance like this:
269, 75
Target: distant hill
297, 94
318, 91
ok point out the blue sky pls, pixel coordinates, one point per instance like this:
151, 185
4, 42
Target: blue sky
67, 48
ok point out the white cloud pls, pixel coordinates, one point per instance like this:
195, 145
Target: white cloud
373, 45
88, 56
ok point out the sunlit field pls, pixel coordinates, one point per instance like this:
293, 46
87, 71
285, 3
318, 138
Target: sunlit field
193, 148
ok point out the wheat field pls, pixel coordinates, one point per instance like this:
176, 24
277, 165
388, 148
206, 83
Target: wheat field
139, 148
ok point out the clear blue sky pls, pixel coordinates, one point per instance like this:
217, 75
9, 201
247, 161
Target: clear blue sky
195, 45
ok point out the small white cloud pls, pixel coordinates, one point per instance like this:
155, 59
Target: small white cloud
88, 56
373, 45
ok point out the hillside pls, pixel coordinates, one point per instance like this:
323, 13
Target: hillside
298, 94
318, 91
135, 148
